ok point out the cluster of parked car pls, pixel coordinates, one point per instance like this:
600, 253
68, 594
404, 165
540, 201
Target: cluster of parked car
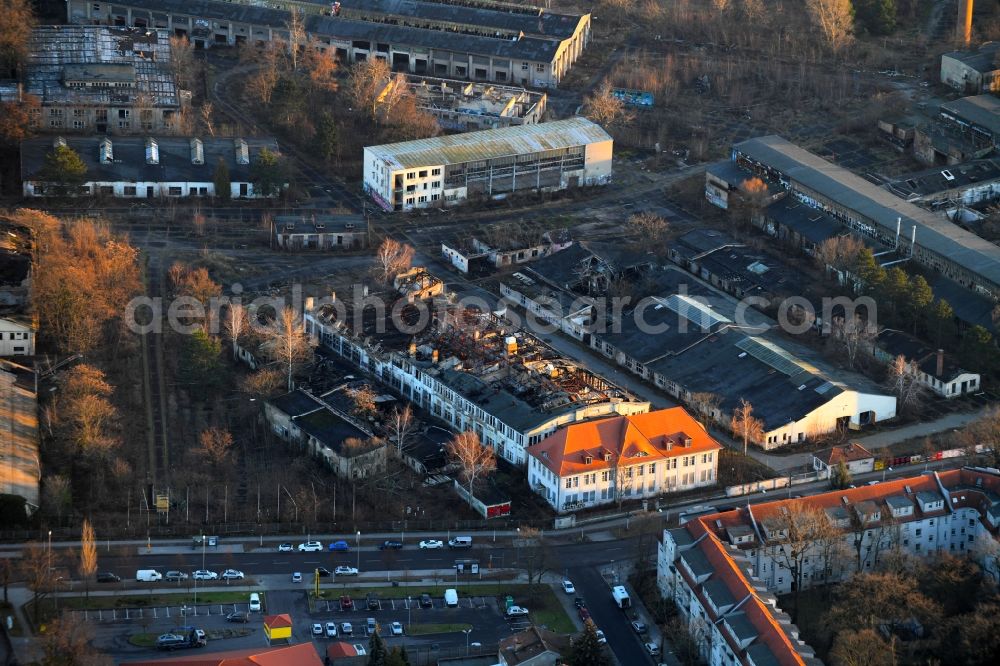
388, 544
181, 638
152, 576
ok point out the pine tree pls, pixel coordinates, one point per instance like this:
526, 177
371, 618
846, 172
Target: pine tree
895, 292
919, 302
870, 274
267, 174
64, 169
377, 653
397, 658
223, 186
977, 350
326, 136
941, 320
587, 650
840, 477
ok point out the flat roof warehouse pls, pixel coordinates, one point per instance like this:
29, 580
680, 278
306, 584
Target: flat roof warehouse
491, 144
842, 187
470, 32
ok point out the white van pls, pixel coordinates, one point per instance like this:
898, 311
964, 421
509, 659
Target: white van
460, 542
254, 602
148, 575
451, 598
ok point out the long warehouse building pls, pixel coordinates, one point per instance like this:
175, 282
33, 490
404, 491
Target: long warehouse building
875, 213
445, 170
482, 40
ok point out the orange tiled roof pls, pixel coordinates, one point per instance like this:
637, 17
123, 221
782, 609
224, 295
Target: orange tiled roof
645, 437
340, 650
301, 654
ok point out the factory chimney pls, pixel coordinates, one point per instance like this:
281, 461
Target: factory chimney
963, 25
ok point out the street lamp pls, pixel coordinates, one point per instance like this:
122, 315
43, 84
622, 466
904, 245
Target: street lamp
409, 611
357, 547
884, 470
517, 548
466, 632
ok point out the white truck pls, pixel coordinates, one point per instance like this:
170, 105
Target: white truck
621, 597
148, 575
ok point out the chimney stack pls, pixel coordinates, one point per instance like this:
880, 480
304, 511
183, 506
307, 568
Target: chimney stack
963, 25
940, 362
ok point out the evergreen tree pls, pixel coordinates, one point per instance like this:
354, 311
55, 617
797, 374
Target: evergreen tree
587, 650
877, 16
941, 321
64, 169
326, 136
870, 274
397, 658
920, 299
977, 350
894, 293
223, 186
377, 654
840, 476
201, 367
267, 174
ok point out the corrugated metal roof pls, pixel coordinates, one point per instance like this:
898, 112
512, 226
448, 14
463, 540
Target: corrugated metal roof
983, 110
847, 189
491, 144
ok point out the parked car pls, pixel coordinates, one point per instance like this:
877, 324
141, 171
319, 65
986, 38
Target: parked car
296, 577
346, 629
426, 601
583, 613
204, 574
639, 627
390, 545
579, 602
601, 638
346, 571
323, 572
171, 642
238, 617
108, 577
516, 611
232, 574
175, 576
372, 601
255, 606
652, 648
568, 588
317, 629
360, 649
339, 545
331, 629
370, 626
285, 548
310, 546
432, 543
346, 603
396, 629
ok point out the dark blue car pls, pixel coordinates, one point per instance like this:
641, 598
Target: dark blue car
339, 545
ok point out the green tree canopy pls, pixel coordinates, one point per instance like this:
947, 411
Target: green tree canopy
326, 136
223, 185
940, 321
267, 173
64, 169
377, 653
201, 366
877, 16
587, 649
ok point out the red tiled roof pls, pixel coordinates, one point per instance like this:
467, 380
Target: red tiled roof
340, 650
301, 654
847, 454
658, 435
278, 621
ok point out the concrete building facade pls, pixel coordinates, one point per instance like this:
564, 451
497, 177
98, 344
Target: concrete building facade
482, 40
972, 72
445, 170
17, 338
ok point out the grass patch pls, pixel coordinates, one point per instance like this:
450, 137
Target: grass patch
548, 611
143, 639
474, 590
47, 606
440, 628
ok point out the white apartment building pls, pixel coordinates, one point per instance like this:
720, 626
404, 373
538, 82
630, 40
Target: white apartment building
622, 458
16, 338
445, 170
701, 563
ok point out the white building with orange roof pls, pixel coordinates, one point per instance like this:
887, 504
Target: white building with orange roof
622, 458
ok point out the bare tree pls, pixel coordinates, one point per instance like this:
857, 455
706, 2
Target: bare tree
401, 425
650, 231
834, 19
364, 398
794, 534
474, 459
604, 108
182, 62
216, 446
365, 82
36, 571
88, 555
745, 426
296, 35
904, 381
623, 477
67, 642
535, 554
853, 337
391, 259
839, 253
235, 324
290, 345
207, 125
